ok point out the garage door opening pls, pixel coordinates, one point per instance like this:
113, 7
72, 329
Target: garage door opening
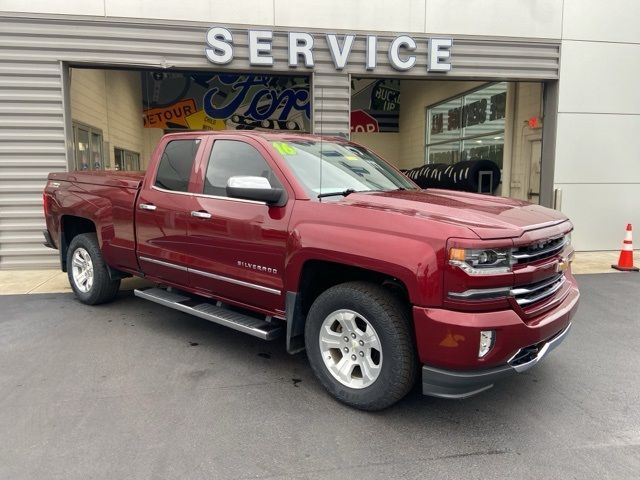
118, 116
413, 123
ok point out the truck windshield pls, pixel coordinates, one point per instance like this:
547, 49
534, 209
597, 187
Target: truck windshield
331, 167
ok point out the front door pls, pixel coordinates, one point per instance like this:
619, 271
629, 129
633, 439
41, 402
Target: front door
238, 246
163, 212
535, 159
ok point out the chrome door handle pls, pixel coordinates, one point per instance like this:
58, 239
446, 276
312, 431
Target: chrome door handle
146, 206
200, 214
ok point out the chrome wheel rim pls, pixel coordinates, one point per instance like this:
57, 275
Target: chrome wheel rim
82, 270
350, 348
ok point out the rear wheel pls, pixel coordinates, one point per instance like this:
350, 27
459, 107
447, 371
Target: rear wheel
87, 272
360, 346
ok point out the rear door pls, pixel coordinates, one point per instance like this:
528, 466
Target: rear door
163, 211
238, 246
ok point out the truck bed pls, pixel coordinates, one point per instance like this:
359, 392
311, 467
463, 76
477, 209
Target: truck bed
106, 198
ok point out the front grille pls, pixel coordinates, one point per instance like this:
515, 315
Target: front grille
535, 292
539, 250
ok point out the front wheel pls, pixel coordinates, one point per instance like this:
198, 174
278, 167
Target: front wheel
360, 346
87, 272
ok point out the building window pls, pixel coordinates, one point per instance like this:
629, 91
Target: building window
126, 159
468, 127
88, 149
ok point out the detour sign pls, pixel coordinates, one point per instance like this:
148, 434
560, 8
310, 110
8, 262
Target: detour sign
172, 116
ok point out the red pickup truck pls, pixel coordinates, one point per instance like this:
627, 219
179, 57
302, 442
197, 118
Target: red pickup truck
322, 242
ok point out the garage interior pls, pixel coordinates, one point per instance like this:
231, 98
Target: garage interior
118, 116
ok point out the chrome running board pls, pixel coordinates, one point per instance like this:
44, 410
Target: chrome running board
214, 312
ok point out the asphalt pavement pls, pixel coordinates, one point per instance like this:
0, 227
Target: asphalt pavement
132, 390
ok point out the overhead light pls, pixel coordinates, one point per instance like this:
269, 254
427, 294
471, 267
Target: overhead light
497, 138
478, 141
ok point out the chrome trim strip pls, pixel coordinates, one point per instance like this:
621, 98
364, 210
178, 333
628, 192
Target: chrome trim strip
262, 288
235, 282
164, 264
547, 293
204, 195
555, 283
544, 251
480, 293
544, 351
544, 283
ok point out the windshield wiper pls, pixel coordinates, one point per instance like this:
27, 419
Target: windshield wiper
344, 193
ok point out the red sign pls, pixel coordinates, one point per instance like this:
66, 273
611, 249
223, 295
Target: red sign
361, 121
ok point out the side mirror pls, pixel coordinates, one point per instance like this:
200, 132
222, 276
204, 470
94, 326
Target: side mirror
255, 188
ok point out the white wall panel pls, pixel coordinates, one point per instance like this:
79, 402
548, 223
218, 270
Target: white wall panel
600, 213
597, 149
514, 18
613, 20
244, 11
600, 77
70, 7
381, 15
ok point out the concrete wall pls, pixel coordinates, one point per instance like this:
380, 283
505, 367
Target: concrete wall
386, 144
597, 159
523, 18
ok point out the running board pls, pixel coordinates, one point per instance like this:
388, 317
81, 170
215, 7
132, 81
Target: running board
211, 311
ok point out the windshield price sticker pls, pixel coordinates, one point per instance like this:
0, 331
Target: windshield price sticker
284, 148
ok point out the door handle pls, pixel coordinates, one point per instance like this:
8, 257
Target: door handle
146, 206
200, 214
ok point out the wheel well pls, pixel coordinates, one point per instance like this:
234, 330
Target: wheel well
318, 276
71, 226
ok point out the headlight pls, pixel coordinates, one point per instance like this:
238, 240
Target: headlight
481, 261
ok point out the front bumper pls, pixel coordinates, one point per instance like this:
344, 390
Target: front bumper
462, 384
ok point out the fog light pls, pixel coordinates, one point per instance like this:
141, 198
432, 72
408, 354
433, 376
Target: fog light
486, 342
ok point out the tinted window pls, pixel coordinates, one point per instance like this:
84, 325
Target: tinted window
230, 158
175, 165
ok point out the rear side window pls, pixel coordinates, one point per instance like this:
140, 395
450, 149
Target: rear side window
231, 158
175, 166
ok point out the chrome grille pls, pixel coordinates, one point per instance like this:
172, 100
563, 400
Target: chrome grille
535, 292
539, 250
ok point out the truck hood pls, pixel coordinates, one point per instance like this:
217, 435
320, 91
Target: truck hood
487, 216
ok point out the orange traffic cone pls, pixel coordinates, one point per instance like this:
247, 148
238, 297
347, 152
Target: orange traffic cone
625, 262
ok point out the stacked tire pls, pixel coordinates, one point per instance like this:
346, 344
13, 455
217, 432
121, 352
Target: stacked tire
463, 176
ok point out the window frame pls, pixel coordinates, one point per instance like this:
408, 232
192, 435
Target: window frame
461, 138
91, 131
124, 152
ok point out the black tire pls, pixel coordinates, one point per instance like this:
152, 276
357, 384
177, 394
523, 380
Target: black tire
390, 319
103, 288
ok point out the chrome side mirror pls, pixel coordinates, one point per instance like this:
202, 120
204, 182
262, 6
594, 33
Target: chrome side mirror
255, 188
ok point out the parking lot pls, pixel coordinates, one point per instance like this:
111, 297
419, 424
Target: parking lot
133, 390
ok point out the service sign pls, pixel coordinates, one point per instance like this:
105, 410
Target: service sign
300, 51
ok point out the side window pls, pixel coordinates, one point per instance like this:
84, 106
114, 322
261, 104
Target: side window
175, 165
231, 158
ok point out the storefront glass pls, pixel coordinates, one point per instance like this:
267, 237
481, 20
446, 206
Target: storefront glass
468, 127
